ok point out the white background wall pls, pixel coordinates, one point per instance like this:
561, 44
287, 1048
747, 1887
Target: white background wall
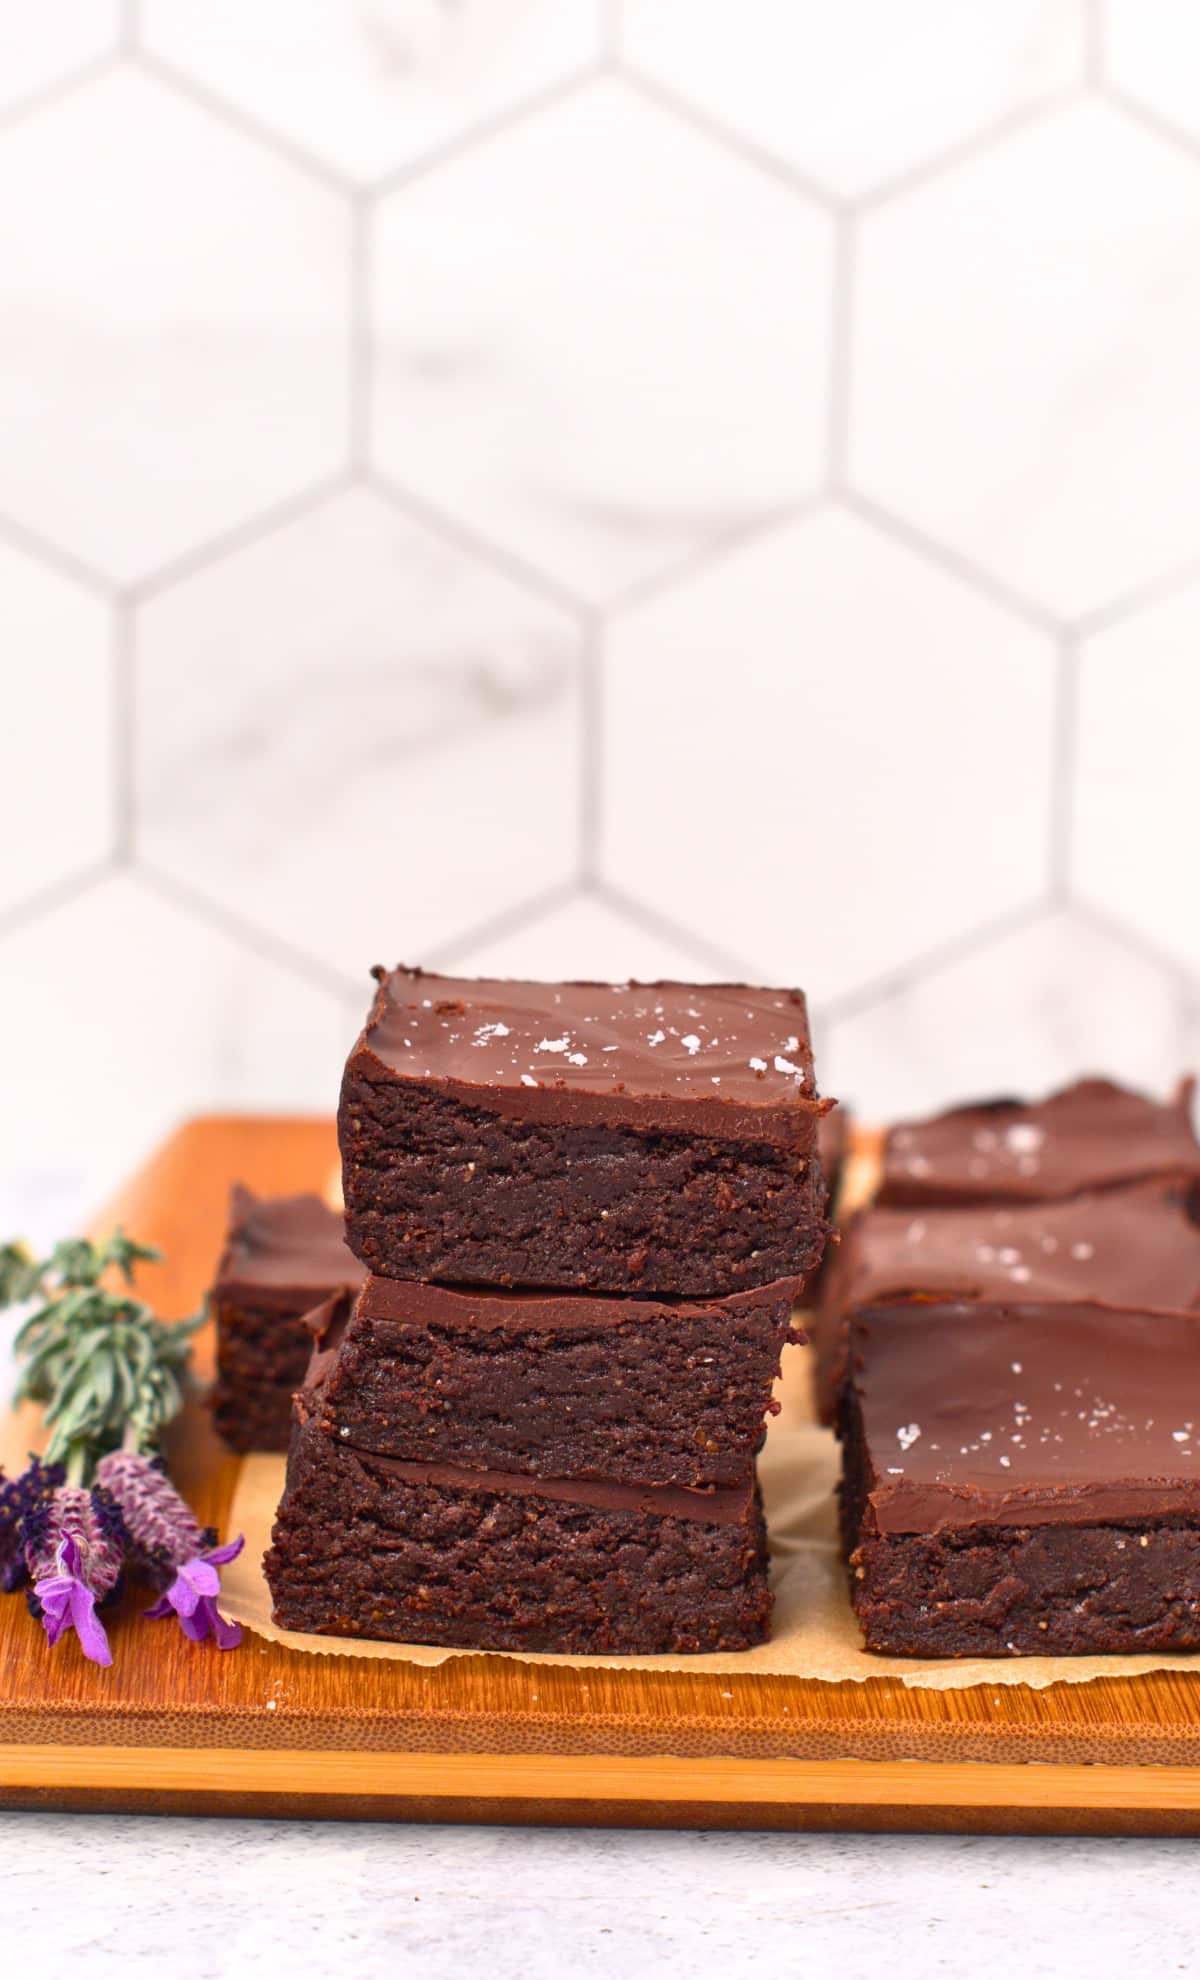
691, 487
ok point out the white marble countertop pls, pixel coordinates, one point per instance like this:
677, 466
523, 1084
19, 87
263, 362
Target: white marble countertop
197, 1898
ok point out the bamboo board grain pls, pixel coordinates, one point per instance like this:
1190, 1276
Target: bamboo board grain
268, 1730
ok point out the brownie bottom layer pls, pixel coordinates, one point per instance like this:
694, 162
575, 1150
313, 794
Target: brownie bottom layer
361, 1549
1053, 1591
262, 1358
439, 1191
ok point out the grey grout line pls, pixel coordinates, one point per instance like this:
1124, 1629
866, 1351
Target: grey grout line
215, 549
1143, 598
1095, 43
453, 530
1132, 939
123, 733
486, 130
60, 89
841, 348
509, 921
362, 349
187, 86
792, 177
734, 967
710, 555
591, 768
1140, 114
890, 523
60, 894
932, 962
1061, 822
42, 550
258, 941
1002, 130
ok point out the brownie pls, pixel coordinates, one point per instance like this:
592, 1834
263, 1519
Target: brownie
1092, 1135
429, 1553
1123, 1247
620, 1137
1022, 1480
833, 1142
283, 1255
592, 1385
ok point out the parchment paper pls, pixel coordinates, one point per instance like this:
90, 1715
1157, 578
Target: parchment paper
814, 1633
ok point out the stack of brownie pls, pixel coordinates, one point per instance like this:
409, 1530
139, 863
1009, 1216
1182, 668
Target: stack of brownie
1009, 1339
587, 1211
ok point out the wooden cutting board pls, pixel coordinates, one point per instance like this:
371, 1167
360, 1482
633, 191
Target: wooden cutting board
269, 1731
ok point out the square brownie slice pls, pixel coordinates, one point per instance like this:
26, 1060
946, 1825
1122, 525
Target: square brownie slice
282, 1256
1123, 1247
426, 1553
1022, 1481
1092, 1135
621, 1137
559, 1385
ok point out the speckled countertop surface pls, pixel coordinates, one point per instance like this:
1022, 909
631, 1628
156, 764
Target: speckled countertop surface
113, 1896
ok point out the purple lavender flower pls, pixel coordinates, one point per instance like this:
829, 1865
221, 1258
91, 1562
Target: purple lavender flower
171, 1546
192, 1595
73, 1556
12, 1558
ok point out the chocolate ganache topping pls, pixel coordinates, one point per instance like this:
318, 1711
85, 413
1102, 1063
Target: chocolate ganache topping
1091, 1135
979, 1416
1124, 1247
721, 1058
283, 1250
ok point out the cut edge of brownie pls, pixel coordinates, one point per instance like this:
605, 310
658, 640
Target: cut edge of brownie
365, 1546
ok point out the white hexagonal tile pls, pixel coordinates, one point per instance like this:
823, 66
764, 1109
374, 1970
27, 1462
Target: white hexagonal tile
827, 755
56, 793
1135, 773
1046, 1004
173, 354
589, 939
1153, 52
150, 1015
601, 340
854, 93
43, 45
376, 86
1024, 358
357, 737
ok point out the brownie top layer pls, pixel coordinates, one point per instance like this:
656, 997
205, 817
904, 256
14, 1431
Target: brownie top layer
1124, 1247
1021, 1416
1088, 1136
284, 1251
715, 1057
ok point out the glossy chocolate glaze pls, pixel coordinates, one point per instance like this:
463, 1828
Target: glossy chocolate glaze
282, 1251
1092, 1135
1015, 1416
1125, 1247
414, 1303
719, 1059
719, 1506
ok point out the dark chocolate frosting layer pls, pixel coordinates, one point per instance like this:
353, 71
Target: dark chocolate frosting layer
1125, 1247
721, 1506
414, 1303
284, 1251
1091, 1135
720, 1058
979, 1416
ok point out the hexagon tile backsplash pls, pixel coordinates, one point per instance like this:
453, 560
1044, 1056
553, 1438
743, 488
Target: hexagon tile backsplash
676, 487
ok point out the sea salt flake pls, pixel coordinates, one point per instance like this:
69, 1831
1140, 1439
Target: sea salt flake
527, 1079
1005, 1460
577, 1058
1023, 1139
785, 1066
1180, 1436
655, 1037
690, 1043
907, 1435
553, 1044
758, 1065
